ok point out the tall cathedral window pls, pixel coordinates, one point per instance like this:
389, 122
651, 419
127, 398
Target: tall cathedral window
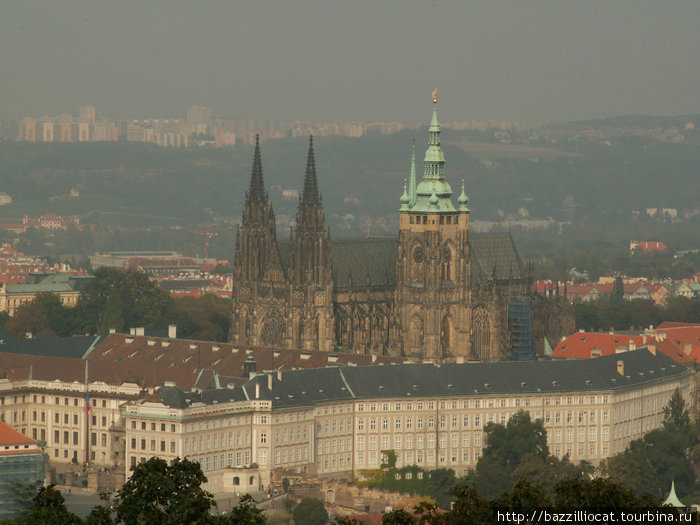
416, 332
417, 264
481, 337
446, 264
446, 334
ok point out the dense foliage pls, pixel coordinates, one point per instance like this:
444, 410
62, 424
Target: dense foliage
604, 314
310, 511
122, 299
651, 463
156, 494
518, 450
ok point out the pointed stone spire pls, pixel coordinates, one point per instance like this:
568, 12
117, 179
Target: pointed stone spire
310, 195
412, 177
257, 185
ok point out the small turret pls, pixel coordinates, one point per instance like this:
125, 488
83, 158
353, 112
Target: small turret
463, 200
405, 200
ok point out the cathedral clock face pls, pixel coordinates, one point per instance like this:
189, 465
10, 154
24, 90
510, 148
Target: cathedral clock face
418, 254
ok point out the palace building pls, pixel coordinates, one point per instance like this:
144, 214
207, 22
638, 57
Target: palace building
436, 292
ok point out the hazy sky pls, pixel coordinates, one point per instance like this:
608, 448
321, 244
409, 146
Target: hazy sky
351, 60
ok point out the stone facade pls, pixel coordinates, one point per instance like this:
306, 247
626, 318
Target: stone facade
436, 293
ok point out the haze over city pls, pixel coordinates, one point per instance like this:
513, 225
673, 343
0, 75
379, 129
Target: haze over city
361, 60
348, 261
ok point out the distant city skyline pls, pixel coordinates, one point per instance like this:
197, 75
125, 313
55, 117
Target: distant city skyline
369, 61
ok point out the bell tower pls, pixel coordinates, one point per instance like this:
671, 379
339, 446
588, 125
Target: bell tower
433, 259
310, 270
258, 312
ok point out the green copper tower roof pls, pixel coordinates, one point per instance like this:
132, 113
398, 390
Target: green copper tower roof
433, 193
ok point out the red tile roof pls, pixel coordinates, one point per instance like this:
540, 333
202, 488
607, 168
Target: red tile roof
9, 436
585, 345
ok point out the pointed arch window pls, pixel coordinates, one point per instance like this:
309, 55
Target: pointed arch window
446, 335
446, 264
416, 332
481, 337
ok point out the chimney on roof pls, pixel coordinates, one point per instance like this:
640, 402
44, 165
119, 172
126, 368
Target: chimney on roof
652, 349
269, 382
279, 375
257, 390
112, 330
139, 331
172, 331
632, 344
621, 367
132, 331
249, 366
687, 348
28, 335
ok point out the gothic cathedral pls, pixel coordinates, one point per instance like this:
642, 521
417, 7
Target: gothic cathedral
436, 293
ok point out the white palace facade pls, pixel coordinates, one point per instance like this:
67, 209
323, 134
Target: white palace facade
337, 421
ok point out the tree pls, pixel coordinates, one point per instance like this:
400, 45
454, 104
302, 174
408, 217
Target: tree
245, 513
48, 507
618, 291
469, 507
122, 299
598, 494
676, 416
651, 463
22, 494
510, 445
159, 494
310, 511
203, 318
399, 517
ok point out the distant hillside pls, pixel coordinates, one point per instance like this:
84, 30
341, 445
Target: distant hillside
128, 183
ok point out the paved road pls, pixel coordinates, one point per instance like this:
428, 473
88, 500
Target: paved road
81, 504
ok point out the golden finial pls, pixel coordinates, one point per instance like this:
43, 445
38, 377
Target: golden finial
435, 96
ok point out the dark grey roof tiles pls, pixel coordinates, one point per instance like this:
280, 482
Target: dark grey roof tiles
308, 387
363, 258
491, 251
74, 347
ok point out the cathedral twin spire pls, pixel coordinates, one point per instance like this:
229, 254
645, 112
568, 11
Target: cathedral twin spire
256, 192
310, 194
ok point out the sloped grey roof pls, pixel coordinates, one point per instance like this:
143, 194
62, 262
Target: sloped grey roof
309, 387
491, 251
376, 258
74, 347
363, 258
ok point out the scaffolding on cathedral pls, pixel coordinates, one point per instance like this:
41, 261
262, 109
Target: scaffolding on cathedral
520, 328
